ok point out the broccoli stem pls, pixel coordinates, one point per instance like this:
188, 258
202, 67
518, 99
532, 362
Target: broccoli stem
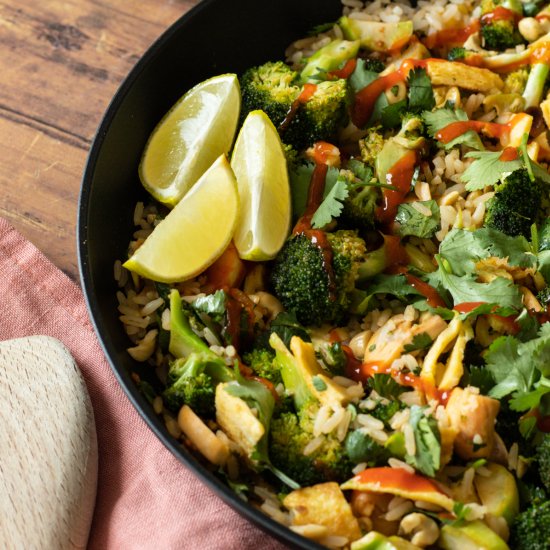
535, 84
375, 263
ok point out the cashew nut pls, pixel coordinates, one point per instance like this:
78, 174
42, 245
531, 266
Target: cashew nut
530, 28
255, 280
422, 530
358, 343
270, 303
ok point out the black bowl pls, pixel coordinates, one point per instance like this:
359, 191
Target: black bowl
216, 37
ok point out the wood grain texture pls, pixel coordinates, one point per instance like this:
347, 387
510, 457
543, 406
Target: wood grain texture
48, 447
61, 61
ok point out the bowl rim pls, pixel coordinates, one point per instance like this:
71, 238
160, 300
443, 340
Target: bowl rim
220, 489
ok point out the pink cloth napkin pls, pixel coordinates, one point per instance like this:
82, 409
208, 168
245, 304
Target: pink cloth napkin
146, 499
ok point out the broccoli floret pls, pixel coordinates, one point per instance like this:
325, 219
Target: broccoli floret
543, 460
273, 88
500, 34
193, 381
360, 207
260, 360
320, 116
316, 289
459, 53
374, 65
515, 82
516, 204
269, 87
371, 145
412, 128
289, 435
305, 284
531, 528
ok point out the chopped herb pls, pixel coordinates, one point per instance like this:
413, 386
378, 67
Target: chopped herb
421, 95
385, 386
419, 341
467, 289
318, 383
427, 456
487, 169
413, 221
331, 207
391, 116
360, 447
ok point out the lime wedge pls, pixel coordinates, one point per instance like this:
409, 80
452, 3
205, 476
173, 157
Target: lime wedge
195, 233
259, 164
193, 134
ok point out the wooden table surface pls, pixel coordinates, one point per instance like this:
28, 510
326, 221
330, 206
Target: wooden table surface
61, 61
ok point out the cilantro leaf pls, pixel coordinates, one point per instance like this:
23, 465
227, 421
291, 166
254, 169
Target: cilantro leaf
390, 116
517, 366
467, 289
396, 285
415, 222
427, 456
332, 206
360, 447
529, 400
361, 171
487, 169
481, 378
419, 341
286, 325
362, 77
300, 178
385, 386
421, 95
212, 304
462, 249
440, 118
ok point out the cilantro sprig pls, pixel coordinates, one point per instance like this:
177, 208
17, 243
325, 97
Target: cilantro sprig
521, 369
420, 97
488, 168
332, 206
427, 456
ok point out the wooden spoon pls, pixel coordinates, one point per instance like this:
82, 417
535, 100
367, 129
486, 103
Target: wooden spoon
48, 447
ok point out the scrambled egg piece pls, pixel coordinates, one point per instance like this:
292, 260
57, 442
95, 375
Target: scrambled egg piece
449, 73
323, 504
237, 420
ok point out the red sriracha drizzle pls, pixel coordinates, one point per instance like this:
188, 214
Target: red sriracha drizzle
322, 152
398, 478
361, 372
399, 176
346, 71
305, 95
366, 98
509, 323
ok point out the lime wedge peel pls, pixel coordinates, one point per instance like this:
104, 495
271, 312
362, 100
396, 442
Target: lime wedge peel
195, 233
259, 164
192, 135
